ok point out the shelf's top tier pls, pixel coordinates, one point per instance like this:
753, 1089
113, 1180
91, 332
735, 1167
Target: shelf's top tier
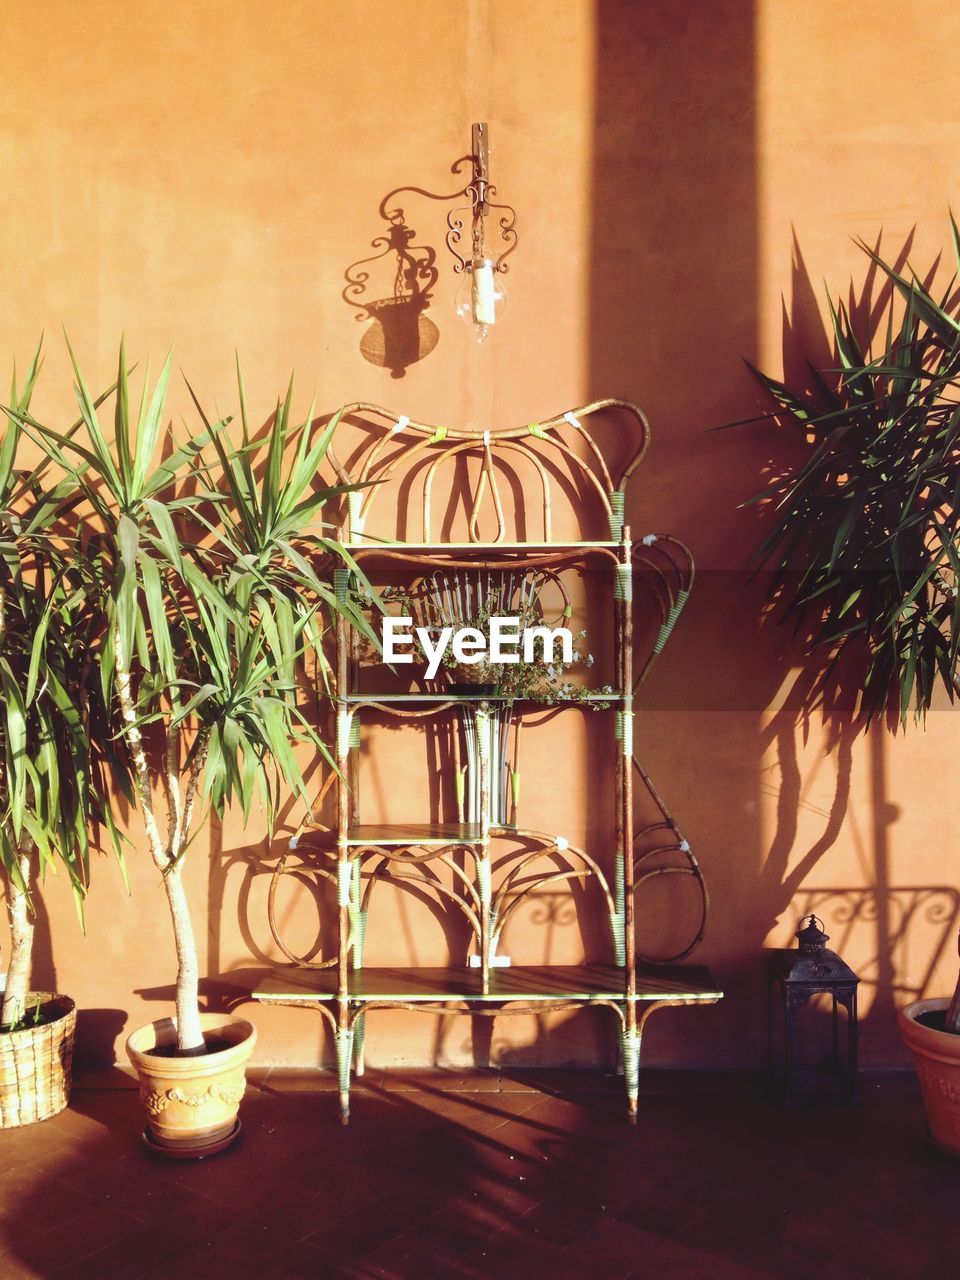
505, 555
557, 483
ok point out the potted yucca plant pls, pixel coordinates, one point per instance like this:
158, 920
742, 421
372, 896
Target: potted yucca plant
864, 548
210, 598
57, 758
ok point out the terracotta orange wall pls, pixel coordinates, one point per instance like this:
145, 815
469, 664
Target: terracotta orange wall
203, 173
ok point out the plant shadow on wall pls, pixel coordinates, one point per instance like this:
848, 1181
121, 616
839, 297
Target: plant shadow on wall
859, 558
390, 291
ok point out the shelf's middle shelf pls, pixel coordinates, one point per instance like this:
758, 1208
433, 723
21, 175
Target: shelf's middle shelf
418, 833
455, 699
377, 834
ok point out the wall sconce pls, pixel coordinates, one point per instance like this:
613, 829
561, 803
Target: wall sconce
481, 298
400, 334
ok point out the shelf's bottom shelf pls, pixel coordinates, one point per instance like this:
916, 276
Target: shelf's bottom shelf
520, 989
683, 984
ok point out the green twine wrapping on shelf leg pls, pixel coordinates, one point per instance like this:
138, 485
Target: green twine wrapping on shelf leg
344, 882
631, 1063
344, 1044
354, 507
343, 730
483, 880
617, 921
616, 514
671, 621
359, 1038
358, 934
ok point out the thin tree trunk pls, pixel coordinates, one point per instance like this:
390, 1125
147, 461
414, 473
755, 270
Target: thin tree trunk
166, 860
21, 942
189, 1034
138, 755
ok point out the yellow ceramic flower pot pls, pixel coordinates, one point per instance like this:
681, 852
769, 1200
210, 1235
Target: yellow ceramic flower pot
192, 1102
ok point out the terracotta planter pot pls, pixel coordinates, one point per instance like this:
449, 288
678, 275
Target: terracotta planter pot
36, 1064
192, 1103
937, 1055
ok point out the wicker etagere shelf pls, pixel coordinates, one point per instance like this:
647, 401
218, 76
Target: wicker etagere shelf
647, 582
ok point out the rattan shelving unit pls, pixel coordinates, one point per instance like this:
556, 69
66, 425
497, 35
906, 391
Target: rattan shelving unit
646, 580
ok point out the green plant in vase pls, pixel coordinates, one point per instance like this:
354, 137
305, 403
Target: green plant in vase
864, 545
58, 762
211, 601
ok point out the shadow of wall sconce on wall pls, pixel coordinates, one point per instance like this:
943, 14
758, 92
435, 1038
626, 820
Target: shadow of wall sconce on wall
402, 273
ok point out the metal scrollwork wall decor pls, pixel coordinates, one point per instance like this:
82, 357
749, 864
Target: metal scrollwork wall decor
399, 333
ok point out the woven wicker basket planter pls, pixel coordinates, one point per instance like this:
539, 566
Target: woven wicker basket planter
36, 1065
477, 677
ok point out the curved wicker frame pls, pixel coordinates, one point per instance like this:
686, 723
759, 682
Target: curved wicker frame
651, 578
404, 441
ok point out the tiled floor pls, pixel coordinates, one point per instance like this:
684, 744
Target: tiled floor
489, 1176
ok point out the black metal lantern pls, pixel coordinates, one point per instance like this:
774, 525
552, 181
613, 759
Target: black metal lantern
795, 976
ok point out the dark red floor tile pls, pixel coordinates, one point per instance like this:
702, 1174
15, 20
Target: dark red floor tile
650, 1257
291, 1080
359, 1232
881, 1252
443, 1081
407, 1257
70, 1237
21, 1187
486, 1207
168, 1243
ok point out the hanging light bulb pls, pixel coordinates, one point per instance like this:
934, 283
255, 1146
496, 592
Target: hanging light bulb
481, 297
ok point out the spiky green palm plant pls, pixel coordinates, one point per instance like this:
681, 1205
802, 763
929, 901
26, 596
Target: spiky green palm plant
57, 759
864, 539
210, 597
